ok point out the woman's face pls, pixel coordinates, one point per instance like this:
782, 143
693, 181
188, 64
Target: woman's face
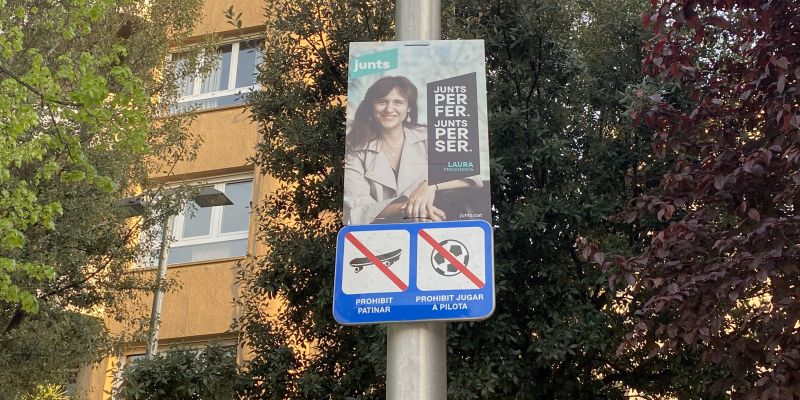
391, 110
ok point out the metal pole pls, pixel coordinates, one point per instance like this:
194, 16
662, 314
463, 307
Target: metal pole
416, 363
416, 360
158, 291
418, 19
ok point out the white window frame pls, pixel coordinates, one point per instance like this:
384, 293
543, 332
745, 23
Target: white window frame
215, 235
123, 362
232, 89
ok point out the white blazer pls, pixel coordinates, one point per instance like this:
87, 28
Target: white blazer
369, 181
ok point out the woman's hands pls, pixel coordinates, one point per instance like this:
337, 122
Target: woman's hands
420, 204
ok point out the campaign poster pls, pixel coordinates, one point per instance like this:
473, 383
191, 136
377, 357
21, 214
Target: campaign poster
417, 142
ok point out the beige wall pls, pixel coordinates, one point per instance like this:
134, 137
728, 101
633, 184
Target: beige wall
205, 304
228, 139
201, 304
214, 20
94, 382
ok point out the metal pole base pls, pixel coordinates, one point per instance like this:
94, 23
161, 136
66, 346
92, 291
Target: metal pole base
416, 361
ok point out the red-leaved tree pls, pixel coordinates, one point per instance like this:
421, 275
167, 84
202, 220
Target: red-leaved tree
720, 276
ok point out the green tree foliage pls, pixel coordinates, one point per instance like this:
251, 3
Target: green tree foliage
564, 157
83, 122
49, 346
720, 276
47, 392
184, 374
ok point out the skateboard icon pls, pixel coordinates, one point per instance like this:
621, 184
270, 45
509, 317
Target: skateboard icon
386, 258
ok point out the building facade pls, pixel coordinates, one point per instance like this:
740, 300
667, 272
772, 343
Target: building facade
209, 242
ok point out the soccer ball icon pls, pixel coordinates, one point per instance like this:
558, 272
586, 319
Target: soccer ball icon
442, 265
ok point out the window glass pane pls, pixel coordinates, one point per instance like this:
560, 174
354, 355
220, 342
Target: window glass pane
196, 221
207, 251
133, 359
236, 217
185, 84
217, 79
150, 240
249, 57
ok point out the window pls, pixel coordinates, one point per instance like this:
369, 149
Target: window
202, 234
125, 361
233, 75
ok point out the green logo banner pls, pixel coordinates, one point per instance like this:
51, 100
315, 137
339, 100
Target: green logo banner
373, 63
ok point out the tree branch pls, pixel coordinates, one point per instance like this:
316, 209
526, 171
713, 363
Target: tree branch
30, 87
16, 319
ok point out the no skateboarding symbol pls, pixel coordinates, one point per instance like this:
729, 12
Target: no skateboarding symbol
414, 272
370, 273
386, 259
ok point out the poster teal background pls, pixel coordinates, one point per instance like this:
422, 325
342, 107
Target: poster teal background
362, 65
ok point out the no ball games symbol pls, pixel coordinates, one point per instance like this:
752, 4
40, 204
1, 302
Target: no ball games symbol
442, 265
445, 248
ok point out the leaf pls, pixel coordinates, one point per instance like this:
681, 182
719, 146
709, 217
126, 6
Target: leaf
673, 288
719, 182
781, 83
699, 34
14, 239
762, 275
782, 63
657, 282
790, 268
669, 210
586, 252
754, 214
599, 257
672, 331
73, 176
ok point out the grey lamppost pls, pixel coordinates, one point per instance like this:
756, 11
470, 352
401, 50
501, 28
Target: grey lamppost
132, 206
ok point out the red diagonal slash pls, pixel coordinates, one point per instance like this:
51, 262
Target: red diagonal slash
453, 260
378, 263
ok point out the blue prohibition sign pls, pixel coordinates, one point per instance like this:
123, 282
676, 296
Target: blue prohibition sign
414, 272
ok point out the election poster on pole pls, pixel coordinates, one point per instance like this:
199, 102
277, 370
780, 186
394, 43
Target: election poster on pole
417, 135
417, 245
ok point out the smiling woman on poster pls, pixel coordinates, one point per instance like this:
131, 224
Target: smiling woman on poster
386, 161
